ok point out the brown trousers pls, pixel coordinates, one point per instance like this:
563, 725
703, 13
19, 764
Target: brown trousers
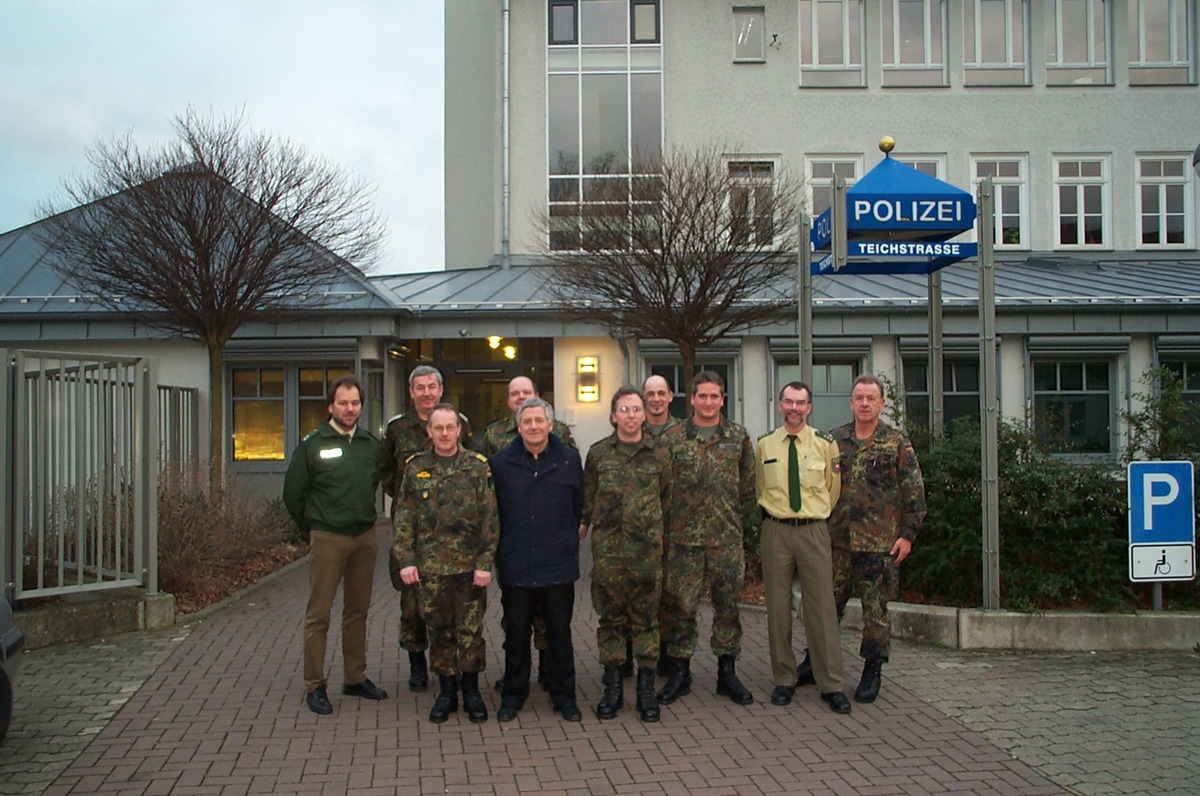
333, 559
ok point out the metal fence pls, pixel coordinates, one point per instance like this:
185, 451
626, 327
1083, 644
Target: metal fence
88, 437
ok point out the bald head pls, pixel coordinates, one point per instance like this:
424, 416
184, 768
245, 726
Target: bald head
658, 399
519, 390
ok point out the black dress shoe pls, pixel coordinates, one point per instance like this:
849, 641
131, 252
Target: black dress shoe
508, 709
318, 701
837, 701
570, 711
366, 689
782, 695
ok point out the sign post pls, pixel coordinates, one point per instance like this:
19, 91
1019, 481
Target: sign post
1162, 523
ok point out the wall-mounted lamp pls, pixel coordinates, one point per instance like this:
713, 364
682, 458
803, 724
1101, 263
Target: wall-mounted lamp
588, 370
494, 341
510, 352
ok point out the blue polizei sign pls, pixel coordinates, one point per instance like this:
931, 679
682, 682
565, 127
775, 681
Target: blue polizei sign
1162, 521
894, 214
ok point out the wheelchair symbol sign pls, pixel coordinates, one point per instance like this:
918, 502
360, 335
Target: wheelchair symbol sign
1162, 527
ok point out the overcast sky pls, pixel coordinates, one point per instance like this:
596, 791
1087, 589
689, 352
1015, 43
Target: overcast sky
357, 81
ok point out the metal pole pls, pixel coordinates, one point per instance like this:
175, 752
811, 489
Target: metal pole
837, 219
988, 401
804, 316
937, 416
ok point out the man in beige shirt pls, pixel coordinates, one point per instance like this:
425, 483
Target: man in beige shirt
798, 481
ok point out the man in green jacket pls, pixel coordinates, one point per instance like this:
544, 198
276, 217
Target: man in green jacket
330, 490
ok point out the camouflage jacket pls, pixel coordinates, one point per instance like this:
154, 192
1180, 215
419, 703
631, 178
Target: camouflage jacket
445, 520
658, 431
627, 497
714, 484
405, 435
883, 494
504, 431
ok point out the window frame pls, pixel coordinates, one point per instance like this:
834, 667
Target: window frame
851, 72
932, 71
1080, 183
952, 376
1164, 183
1179, 68
753, 183
826, 183
1021, 183
1013, 70
1097, 68
1040, 396
742, 15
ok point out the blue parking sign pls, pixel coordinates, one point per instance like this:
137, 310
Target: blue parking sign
1162, 521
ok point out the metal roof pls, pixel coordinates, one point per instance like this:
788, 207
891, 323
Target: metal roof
1037, 280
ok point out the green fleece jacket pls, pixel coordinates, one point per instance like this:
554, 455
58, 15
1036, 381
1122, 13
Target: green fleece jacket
332, 481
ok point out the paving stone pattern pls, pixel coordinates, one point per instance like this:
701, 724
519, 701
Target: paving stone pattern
216, 707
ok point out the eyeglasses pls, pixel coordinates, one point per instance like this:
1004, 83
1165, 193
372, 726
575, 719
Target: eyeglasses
630, 410
789, 402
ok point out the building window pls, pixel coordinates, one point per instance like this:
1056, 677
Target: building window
749, 35
914, 42
1072, 405
1162, 202
1079, 43
1082, 206
821, 173
1188, 373
1008, 194
752, 202
995, 42
313, 391
932, 166
604, 112
831, 43
960, 392
258, 414
563, 16
1160, 41
831, 386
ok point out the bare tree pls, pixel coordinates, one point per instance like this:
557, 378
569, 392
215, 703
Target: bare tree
695, 252
202, 233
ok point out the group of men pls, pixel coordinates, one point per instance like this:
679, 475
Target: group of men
668, 503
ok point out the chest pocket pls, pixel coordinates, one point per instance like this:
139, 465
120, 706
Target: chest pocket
812, 472
880, 469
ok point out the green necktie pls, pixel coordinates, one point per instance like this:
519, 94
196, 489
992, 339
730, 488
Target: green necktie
793, 473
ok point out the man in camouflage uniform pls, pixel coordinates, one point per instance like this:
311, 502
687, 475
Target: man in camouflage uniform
627, 501
714, 505
504, 430
404, 436
446, 530
497, 436
875, 521
659, 395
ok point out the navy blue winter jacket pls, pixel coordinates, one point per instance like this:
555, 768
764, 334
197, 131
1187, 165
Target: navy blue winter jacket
540, 504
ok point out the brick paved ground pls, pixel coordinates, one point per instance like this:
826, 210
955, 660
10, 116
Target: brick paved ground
217, 707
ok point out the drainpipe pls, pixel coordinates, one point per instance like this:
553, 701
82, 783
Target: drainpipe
505, 254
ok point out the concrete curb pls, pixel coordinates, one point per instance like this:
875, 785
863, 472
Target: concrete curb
209, 610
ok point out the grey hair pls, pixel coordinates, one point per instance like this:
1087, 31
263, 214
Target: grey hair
536, 403
424, 370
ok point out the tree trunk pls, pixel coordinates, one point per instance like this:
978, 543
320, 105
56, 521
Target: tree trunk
687, 372
216, 428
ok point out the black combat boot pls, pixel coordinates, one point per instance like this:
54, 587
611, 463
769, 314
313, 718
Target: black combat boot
678, 684
647, 706
614, 693
804, 672
728, 683
447, 699
418, 671
868, 686
627, 666
472, 700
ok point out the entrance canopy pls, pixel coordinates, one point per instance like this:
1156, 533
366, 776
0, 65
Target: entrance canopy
898, 221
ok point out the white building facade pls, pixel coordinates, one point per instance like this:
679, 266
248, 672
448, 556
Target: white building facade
1084, 112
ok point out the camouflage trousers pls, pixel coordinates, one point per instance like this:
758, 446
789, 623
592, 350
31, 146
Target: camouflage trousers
687, 572
454, 607
875, 579
413, 636
626, 593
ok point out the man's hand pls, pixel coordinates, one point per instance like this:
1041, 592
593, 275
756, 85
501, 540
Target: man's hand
583, 529
901, 549
482, 578
410, 575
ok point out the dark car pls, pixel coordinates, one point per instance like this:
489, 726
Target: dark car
12, 641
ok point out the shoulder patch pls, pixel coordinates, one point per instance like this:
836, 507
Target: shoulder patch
761, 437
478, 456
826, 436
309, 435
412, 456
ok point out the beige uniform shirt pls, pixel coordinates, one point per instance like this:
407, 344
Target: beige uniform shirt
820, 474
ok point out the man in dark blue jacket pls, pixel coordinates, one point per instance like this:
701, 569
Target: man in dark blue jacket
539, 494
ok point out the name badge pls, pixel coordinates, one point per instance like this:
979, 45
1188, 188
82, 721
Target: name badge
331, 453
